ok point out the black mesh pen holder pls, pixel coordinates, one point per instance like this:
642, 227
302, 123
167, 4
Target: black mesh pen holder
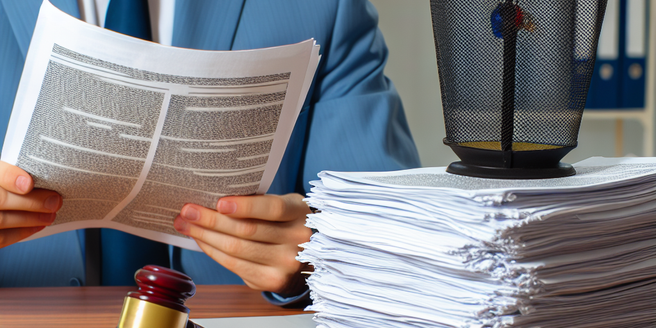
514, 77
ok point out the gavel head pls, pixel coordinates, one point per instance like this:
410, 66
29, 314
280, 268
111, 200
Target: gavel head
159, 302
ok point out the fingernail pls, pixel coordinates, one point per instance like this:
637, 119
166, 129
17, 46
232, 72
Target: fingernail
22, 183
47, 217
227, 207
190, 214
180, 225
52, 203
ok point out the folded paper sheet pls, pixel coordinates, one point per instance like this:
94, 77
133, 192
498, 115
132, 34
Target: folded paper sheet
425, 248
128, 131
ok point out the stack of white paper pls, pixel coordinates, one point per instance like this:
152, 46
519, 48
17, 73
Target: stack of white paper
425, 248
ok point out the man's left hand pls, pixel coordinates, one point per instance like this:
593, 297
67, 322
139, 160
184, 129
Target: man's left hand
256, 237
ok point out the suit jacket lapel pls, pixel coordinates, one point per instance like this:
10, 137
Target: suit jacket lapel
22, 17
206, 24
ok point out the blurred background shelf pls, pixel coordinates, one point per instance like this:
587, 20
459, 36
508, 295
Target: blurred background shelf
624, 77
644, 116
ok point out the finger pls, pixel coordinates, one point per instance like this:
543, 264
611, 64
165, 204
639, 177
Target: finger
39, 200
15, 179
261, 253
256, 230
264, 207
256, 276
20, 219
12, 236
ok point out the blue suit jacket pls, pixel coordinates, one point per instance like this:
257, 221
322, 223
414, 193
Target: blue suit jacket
352, 119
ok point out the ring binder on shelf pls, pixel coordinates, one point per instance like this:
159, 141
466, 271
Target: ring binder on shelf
605, 84
634, 53
618, 81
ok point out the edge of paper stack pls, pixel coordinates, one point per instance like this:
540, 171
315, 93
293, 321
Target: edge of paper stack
425, 248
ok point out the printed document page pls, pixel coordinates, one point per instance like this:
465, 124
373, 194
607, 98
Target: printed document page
128, 131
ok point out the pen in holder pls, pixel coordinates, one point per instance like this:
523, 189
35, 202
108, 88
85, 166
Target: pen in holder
159, 302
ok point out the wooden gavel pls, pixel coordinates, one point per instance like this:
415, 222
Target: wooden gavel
159, 303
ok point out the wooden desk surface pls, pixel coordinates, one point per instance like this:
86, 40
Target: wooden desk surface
101, 306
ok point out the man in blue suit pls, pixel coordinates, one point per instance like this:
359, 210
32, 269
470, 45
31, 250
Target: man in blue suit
352, 120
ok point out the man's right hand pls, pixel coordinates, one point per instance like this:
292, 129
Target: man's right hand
23, 211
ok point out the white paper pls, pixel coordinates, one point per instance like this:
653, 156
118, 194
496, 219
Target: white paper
283, 321
427, 248
128, 131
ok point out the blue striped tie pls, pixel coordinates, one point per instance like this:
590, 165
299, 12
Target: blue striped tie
129, 17
113, 256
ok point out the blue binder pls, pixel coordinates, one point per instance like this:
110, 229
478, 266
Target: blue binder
634, 20
618, 80
605, 86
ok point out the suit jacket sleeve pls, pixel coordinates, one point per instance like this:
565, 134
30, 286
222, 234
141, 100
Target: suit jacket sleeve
357, 120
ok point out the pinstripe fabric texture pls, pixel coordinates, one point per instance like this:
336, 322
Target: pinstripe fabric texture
11, 65
55, 260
